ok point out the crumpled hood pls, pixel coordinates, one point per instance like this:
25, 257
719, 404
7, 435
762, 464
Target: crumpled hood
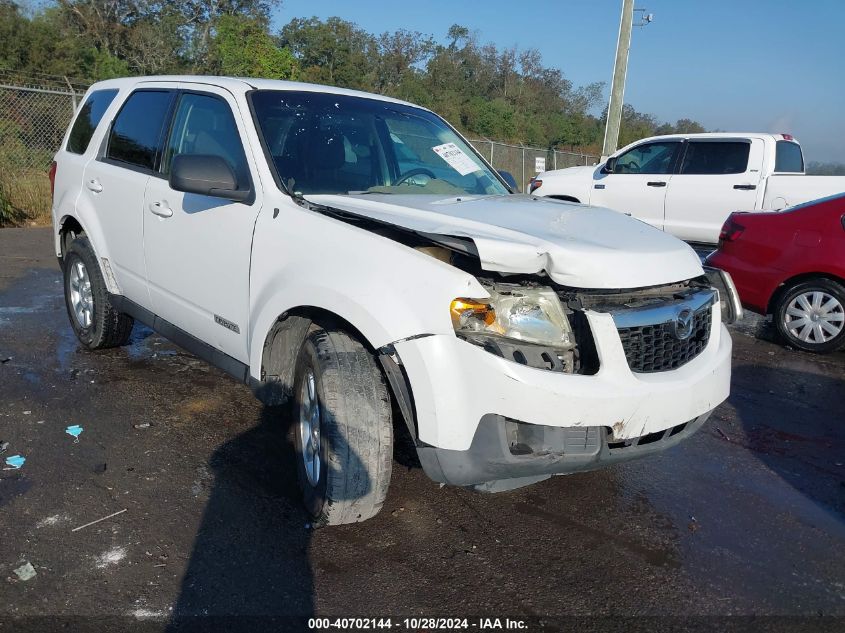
578, 246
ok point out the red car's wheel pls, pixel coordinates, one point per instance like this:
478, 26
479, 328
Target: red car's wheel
811, 315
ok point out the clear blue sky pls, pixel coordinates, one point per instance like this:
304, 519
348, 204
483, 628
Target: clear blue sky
766, 65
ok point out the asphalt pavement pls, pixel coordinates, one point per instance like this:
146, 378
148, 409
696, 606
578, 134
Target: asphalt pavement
746, 518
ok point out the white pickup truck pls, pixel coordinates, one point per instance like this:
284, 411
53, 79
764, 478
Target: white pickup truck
688, 184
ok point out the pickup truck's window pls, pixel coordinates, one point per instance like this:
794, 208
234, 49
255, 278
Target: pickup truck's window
204, 124
90, 115
342, 144
788, 157
648, 158
716, 157
136, 134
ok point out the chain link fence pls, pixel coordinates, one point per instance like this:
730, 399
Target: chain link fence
526, 162
34, 114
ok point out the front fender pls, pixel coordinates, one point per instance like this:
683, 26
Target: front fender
388, 291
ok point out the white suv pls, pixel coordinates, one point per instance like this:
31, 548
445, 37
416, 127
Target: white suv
353, 256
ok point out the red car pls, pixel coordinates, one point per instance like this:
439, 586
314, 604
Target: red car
791, 264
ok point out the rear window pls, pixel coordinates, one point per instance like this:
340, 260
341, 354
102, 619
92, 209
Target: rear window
90, 115
788, 157
136, 134
716, 157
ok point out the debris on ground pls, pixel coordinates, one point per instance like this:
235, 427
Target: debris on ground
14, 462
3, 361
142, 425
25, 572
694, 525
723, 434
3, 446
74, 431
113, 514
111, 557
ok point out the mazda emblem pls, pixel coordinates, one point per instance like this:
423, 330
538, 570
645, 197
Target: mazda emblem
683, 324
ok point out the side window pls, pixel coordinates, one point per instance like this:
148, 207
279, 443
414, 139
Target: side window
90, 115
204, 124
135, 136
649, 158
788, 157
716, 157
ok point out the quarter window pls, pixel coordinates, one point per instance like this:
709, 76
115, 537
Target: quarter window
649, 158
136, 134
788, 157
716, 157
89, 117
204, 124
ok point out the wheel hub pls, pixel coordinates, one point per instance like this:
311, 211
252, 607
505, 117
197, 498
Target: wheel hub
309, 428
81, 295
815, 317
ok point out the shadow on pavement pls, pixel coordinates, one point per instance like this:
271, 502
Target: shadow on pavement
794, 421
250, 569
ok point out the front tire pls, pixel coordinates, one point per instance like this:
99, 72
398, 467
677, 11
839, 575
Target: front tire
343, 430
811, 315
94, 320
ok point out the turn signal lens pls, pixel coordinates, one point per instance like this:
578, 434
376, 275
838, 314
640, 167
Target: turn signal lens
534, 184
731, 231
466, 312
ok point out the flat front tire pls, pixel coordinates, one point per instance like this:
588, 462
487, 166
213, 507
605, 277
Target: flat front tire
342, 428
94, 320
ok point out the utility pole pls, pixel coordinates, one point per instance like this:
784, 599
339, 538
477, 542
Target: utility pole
617, 88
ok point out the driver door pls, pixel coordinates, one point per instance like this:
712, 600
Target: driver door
639, 182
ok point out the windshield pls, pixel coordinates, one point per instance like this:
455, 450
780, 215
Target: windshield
338, 144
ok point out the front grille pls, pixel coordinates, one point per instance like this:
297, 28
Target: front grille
652, 348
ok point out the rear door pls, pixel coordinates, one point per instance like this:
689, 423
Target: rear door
715, 178
639, 181
116, 182
198, 248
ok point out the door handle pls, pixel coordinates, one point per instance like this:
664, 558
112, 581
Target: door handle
656, 183
745, 187
161, 209
94, 185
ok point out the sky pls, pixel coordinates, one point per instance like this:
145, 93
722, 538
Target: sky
739, 66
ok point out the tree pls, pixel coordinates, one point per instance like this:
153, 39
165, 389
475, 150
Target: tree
242, 47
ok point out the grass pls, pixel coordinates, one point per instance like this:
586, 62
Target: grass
24, 197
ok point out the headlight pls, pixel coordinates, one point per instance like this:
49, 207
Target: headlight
532, 315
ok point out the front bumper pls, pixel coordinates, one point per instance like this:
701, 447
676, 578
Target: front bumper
456, 384
494, 463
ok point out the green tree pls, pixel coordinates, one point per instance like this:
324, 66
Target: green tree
242, 46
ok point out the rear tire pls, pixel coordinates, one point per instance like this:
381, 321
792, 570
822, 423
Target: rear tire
811, 315
94, 320
343, 430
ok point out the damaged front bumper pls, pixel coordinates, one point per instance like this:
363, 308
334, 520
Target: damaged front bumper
506, 454
465, 398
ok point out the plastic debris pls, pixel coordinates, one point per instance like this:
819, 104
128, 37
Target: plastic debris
25, 571
27, 412
3, 446
113, 514
74, 431
142, 425
15, 462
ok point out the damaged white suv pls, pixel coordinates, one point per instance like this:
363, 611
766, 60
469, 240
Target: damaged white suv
353, 256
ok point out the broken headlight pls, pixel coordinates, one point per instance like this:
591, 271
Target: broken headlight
531, 315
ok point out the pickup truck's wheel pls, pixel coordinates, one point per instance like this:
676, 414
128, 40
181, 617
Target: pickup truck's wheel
342, 428
811, 315
96, 323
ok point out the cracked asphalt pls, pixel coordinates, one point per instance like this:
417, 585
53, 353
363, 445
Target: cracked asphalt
747, 518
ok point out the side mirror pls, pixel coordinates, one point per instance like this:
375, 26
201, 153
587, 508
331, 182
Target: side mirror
609, 166
508, 178
205, 175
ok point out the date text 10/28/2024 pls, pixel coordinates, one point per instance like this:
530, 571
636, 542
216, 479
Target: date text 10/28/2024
418, 624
